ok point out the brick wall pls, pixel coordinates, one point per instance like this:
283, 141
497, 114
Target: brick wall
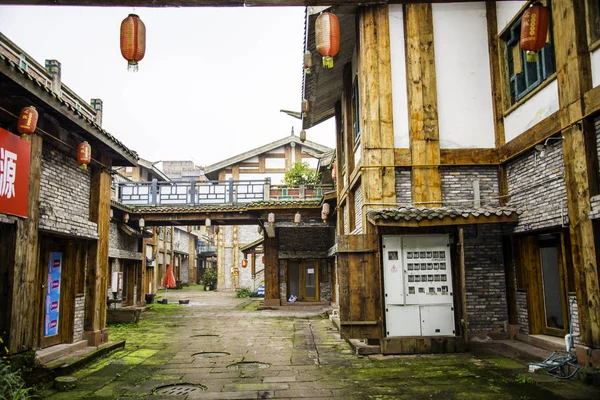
522, 313
65, 195
536, 184
79, 318
403, 186
358, 202
305, 242
575, 317
246, 235
122, 245
325, 291
457, 185
486, 288
345, 211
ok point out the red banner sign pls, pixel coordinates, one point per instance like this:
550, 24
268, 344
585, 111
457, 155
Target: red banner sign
14, 174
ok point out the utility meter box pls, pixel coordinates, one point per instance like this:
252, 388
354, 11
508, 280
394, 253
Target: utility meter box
418, 289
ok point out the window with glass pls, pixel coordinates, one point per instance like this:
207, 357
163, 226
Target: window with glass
524, 76
355, 111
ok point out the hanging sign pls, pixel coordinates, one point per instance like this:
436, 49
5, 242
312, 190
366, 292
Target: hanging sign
14, 174
53, 294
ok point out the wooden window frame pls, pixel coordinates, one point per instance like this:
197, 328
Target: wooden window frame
592, 11
355, 112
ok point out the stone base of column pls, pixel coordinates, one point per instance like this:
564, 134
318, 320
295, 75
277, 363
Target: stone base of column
272, 302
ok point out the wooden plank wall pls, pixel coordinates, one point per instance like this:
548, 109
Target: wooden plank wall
272, 271
8, 234
25, 286
580, 157
422, 104
360, 287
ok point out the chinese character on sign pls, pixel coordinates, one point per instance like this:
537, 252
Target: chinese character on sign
8, 173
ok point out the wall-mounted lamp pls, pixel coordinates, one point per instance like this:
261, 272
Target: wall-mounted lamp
541, 148
142, 223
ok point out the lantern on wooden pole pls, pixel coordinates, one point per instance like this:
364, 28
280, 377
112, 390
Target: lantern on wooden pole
84, 154
327, 34
27, 122
133, 41
534, 30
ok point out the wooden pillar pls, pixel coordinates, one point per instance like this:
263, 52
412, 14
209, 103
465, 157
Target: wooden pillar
96, 277
377, 127
463, 284
339, 162
422, 106
235, 257
221, 258
272, 271
580, 158
192, 271
25, 319
347, 138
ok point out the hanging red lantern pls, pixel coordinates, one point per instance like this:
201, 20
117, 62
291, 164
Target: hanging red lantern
133, 41
333, 172
534, 30
84, 154
327, 34
244, 263
27, 122
307, 62
263, 259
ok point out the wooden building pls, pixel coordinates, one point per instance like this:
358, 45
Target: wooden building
467, 176
54, 252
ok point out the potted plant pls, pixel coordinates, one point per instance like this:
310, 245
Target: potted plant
209, 279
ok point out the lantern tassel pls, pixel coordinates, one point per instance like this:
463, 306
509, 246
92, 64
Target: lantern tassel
25, 137
132, 66
84, 166
327, 62
531, 56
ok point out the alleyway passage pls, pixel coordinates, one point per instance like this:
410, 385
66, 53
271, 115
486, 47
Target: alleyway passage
221, 347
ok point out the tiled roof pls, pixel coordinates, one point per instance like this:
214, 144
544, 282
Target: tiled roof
284, 204
191, 208
120, 206
63, 103
440, 213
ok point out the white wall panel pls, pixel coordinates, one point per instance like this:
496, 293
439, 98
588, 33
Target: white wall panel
595, 58
505, 12
535, 109
462, 64
274, 162
398, 61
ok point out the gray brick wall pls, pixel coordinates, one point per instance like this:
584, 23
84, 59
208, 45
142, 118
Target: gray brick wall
403, 186
122, 245
325, 291
486, 288
79, 318
522, 313
358, 202
345, 211
246, 235
536, 184
65, 195
457, 185
575, 317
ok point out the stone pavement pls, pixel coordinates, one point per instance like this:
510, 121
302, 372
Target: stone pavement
221, 347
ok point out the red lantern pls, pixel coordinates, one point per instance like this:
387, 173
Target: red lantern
327, 34
27, 121
263, 259
244, 263
133, 41
534, 30
84, 154
333, 172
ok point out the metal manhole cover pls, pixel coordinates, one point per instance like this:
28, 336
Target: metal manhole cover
210, 354
204, 335
248, 365
179, 389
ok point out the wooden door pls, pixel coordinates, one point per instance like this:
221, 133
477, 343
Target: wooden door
53, 257
552, 284
303, 281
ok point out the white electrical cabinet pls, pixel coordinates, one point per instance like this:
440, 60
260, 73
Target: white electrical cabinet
418, 285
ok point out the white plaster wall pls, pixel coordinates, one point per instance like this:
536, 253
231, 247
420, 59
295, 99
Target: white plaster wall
357, 154
465, 111
252, 159
278, 150
398, 61
505, 12
538, 107
595, 58
312, 162
274, 162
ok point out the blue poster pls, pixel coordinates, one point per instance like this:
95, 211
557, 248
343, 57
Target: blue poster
53, 294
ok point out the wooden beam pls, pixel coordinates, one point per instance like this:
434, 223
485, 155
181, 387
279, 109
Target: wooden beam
532, 136
209, 3
579, 156
96, 277
495, 72
422, 100
376, 113
24, 315
272, 271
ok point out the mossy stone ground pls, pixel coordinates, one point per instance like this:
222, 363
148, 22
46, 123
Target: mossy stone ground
306, 359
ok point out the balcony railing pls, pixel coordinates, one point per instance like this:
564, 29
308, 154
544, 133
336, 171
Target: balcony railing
207, 249
211, 192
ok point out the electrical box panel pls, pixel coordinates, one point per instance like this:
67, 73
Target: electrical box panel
417, 277
402, 320
437, 320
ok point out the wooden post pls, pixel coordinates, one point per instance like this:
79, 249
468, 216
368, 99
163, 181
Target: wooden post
463, 283
422, 104
140, 298
272, 271
377, 130
339, 162
96, 277
192, 271
580, 158
26, 288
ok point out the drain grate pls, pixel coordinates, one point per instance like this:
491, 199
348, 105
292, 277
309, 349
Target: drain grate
210, 354
179, 389
248, 365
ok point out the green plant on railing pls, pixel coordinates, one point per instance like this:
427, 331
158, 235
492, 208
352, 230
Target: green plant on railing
209, 279
301, 174
12, 385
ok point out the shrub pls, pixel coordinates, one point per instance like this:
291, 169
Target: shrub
12, 385
244, 292
301, 174
209, 278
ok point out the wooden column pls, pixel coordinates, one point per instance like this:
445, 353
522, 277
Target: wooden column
377, 130
140, 298
422, 106
221, 258
96, 277
580, 158
339, 181
26, 287
192, 271
272, 271
463, 284
347, 138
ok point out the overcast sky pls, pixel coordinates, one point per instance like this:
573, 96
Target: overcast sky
210, 86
